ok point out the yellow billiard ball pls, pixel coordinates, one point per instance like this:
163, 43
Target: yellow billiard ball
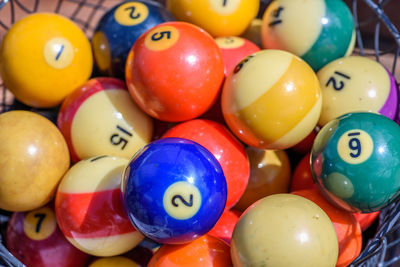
44, 57
33, 158
217, 17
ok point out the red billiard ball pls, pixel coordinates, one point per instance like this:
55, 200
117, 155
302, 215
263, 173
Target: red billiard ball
89, 208
366, 219
234, 49
223, 229
229, 152
302, 177
174, 71
35, 239
100, 118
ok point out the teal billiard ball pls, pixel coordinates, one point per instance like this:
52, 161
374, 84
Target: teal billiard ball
318, 31
355, 160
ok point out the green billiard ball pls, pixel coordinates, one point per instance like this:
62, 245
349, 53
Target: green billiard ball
355, 160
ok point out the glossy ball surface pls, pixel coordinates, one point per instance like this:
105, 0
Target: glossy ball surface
253, 97
100, 118
223, 229
33, 158
35, 239
43, 58
347, 228
205, 251
366, 219
355, 160
229, 152
118, 30
189, 85
318, 31
219, 18
354, 84
89, 208
234, 49
302, 178
284, 230
252, 32
174, 190
114, 261
269, 174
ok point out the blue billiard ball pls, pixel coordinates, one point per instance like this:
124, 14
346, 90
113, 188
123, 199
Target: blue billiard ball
174, 190
118, 30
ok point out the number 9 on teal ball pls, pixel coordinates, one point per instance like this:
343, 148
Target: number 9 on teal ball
174, 190
355, 160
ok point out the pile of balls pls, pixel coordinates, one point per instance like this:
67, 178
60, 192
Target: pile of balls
171, 140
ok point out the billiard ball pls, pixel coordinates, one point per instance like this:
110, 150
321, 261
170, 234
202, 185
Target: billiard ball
204, 251
174, 71
302, 177
269, 174
43, 58
219, 18
100, 118
355, 160
347, 228
33, 158
366, 219
305, 145
119, 261
119, 28
318, 31
234, 49
253, 32
272, 100
223, 229
356, 84
34, 238
89, 209
174, 190
284, 230
137, 257
229, 152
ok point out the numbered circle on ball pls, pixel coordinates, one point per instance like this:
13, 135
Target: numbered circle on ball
131, 13
224, 7
355, 146
242, 64
40, 224
161, 38
182, 200
229, 42
58, 52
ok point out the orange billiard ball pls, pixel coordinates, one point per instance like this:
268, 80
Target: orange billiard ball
174, 71
204, 251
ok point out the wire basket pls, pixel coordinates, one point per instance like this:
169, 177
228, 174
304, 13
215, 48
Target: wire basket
377, 37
